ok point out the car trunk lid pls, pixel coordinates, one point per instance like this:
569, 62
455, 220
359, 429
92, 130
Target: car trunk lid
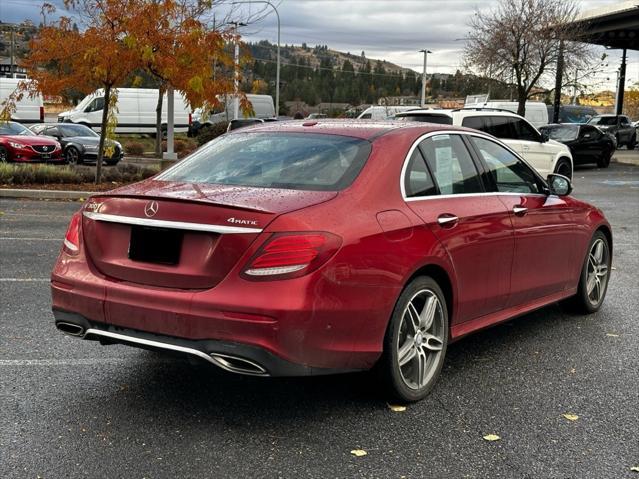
179, 235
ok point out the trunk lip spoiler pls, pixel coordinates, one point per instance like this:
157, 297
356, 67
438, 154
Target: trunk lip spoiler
181, 225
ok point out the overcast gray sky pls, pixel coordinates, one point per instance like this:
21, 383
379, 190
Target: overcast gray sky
388, 29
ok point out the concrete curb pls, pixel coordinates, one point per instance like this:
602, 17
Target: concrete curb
45, 194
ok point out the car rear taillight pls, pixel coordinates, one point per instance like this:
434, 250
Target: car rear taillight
290, 255
72, 238
190, 118
42, 114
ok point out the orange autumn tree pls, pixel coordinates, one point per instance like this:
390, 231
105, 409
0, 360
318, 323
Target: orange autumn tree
180, 49
62, 58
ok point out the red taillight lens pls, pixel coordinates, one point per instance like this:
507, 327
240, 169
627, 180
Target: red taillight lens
42, 114
72, 238
291, 255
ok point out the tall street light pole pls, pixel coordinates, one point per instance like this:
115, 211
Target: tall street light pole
277, 74
236, 80
425, 52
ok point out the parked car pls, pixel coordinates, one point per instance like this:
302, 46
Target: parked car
383, 112
18, 143
249, 253
79, 143
619, 126
136, 111
545, 155
29, 109
243, 122
536, 112
263, 107
572, 113
587, 143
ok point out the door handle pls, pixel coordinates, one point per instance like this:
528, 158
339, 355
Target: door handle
520, 210
447, 220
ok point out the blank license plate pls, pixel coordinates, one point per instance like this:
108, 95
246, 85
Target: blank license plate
155, 245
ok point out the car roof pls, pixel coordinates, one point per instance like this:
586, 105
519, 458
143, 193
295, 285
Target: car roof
459, 112
364, 129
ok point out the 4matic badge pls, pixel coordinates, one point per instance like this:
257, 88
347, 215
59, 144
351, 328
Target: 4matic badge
238, 221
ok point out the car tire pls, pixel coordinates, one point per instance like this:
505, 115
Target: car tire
4, 155
594, 277
72, 156
604, 161
415, 342
564, 167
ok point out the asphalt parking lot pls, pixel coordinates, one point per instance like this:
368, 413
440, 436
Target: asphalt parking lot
76, 409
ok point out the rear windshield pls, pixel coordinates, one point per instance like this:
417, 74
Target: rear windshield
298, 161
562, 132
604, 120
439, 119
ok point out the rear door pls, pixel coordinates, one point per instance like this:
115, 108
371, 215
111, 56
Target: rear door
544, 225
443, 186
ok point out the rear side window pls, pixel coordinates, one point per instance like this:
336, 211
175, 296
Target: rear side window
300, 161
509, 173
451, 165
475, 122
418, 181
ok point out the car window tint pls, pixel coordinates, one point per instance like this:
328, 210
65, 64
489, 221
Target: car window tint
428, 118
510, 174
524, 130
301, 161
451, 164
624, 121
417, 181
52, 131
501, 127
475, 122
366, 116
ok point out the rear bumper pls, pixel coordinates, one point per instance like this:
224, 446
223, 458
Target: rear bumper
233, 357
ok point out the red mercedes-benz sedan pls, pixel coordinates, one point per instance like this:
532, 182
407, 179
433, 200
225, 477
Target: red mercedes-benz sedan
18, 143
323, 247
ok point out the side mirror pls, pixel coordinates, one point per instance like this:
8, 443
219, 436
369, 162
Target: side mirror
545, 136
587, 135
559, 185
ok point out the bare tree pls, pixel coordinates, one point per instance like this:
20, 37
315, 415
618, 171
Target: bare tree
520, 41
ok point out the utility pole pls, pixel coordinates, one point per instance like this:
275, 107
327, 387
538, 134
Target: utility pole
425, 52
558, 82
13, 46
574, 88
236, 80
621, 84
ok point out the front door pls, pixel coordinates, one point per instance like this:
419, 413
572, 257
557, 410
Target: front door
446, 192
544, 226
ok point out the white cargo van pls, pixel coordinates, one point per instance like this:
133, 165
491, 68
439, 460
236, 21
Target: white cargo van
263, 107
135, 111
28, 110
536, 111
383, 112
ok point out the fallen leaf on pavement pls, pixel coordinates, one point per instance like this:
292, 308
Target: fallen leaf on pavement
358, 452
492, 437
571, 417
635, 469
396, 408
612, 335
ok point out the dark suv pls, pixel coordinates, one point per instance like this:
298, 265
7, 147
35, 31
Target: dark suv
619, 126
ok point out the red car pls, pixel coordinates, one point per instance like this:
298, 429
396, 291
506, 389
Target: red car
324, 247
18, 143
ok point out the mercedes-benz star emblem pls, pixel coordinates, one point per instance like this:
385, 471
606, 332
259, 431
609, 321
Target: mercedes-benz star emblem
151, 208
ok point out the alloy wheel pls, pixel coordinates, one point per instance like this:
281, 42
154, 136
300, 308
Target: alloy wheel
72, 156
421, 339
597, 275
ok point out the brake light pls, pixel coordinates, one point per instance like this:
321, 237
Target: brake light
42, 114
291, 255
72, 238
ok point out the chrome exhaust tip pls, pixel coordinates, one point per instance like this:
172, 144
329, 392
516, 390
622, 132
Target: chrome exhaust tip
238, 365
70, 328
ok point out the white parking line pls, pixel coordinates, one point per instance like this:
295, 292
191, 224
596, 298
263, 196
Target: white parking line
30, 239
60, 362
25, 280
